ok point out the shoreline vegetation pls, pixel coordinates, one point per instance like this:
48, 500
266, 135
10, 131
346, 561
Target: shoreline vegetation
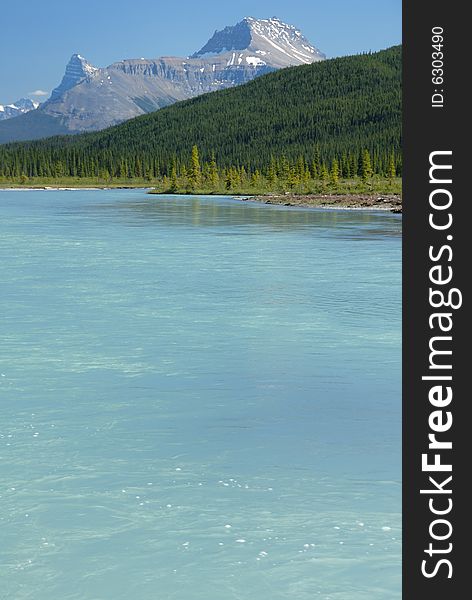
346, 187
381, 195
352, 182
344, 184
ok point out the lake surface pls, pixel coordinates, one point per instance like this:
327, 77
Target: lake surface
200, 399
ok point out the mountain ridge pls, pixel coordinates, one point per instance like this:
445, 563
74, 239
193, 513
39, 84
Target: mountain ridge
90, 98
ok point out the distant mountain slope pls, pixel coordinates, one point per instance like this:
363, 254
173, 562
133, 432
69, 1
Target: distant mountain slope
42, 124
335, 107
20, 107
91, 98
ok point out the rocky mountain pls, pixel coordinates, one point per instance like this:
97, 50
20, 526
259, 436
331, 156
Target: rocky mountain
91, 98
261, 42
20, 107
77, 70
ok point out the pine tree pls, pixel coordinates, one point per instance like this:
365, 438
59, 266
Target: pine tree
183, 173
293, 178
345, 171
214, 176
316, 163
173, 178
366, 166
285, 169
324, 174
392, 170
272, 173
138, 168
353, 165
228, 180
195, 175
334, 171
255, 178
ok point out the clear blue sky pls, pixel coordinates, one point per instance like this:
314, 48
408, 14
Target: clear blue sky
37, 38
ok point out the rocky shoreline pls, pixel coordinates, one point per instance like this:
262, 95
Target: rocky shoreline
390, 202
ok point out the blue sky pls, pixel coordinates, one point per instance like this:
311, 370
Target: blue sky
37, 38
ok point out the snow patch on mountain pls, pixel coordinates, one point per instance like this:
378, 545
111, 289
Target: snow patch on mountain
255, 61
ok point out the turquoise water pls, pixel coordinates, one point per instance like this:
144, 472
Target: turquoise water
200, 399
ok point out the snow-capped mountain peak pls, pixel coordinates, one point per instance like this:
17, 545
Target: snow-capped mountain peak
263, 41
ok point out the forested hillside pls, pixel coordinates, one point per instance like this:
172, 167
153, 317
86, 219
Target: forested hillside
342, 114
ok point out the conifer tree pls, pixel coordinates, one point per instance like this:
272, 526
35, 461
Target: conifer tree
214, 176
345, 170
392, 170
353, 165
228, 180
285, 169
255, 178
366, 166
173, 178
195, 175
334, 171
272, 173
324, 174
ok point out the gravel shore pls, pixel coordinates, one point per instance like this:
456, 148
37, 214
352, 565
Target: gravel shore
391, 203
